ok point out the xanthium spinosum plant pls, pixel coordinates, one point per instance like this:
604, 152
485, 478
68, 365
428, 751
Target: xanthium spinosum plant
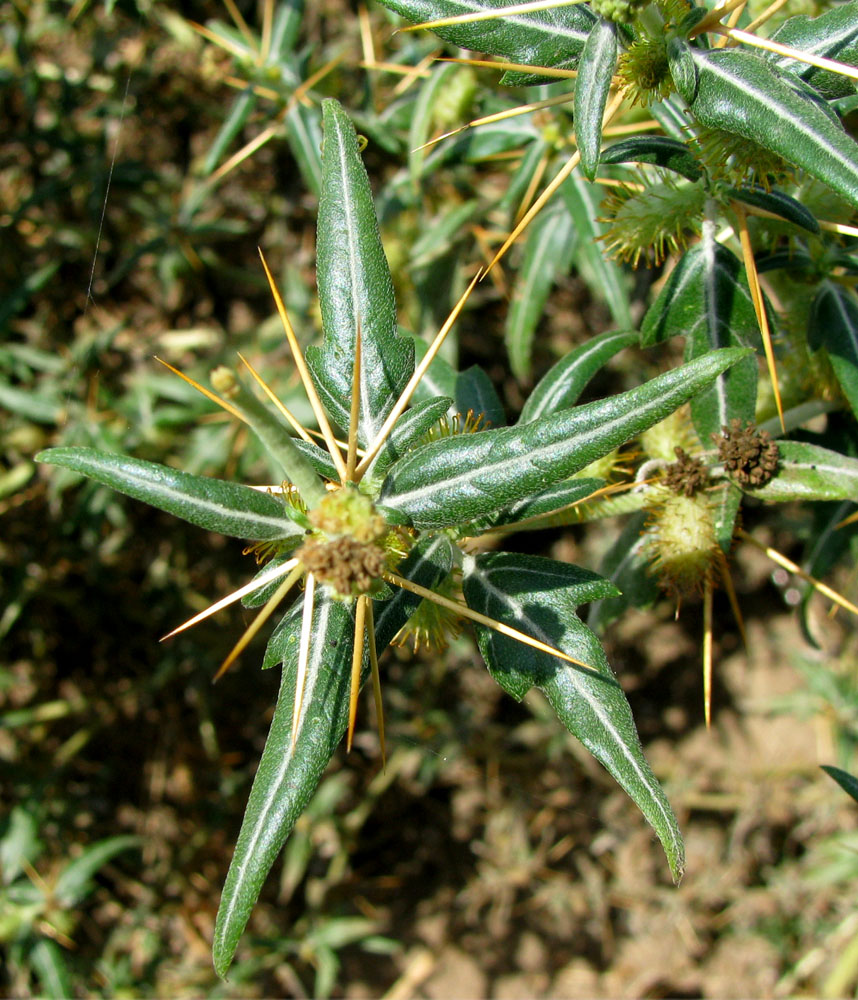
745, 156
745, 173
379, 523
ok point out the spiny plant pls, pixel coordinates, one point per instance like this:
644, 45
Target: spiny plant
379, 523
738, 126
747, 178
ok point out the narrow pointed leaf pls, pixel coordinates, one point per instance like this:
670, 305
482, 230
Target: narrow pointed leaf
545, 502
285, 30
288, 774
827, 35
595, 70
707, 300
848, 782
319, 458
74, 880
682, 67
808, 472
563, 383
548, 249
268, 580
462, 478
552, 38
521, 177
777, 203
355, 288
474, 392
213, 504
471, 389
411, 426
540, 597
659, 150
272, 431
583, 200
741, 93
304, 135
726, 503
427, 564
672, 115
241, 110
423, 116
834, 326
49, 964
828, 544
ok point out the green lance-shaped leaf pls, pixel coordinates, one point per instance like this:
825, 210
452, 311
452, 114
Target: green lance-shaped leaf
241, 110
427, 564
553, 37
564, 382
355, 289
827, 35
49, 964
75, 880
540, 597
409, 429
725, 504
459, 479
706, 299
740, 92
267, 580
660, 150
471, 389
808, 472
423, 117
288, 774
549, 501
583, 201
474, 392
682, 69
548, 250
777, 203
213, 504
595, 70
304, 135
278, 442
834, 326
848, 782
829, 542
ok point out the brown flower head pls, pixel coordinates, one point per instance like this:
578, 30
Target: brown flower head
749, 456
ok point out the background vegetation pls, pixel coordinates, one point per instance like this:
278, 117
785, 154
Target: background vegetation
490, 833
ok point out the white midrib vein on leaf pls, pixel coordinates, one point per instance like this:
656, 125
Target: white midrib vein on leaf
470, 568
198, 502
511, 465
714, 323
763, 98
367, 417
822, 469
314, 672
825, 45
560, 387
528, 21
